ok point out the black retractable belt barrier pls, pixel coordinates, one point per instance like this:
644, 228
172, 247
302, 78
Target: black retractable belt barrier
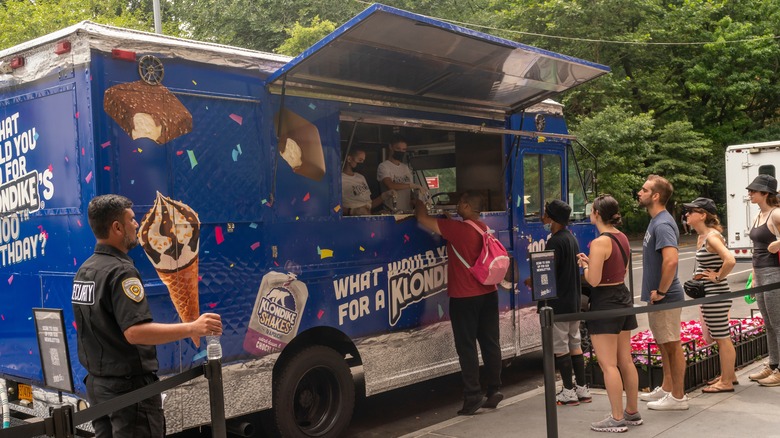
546, 318
63, 421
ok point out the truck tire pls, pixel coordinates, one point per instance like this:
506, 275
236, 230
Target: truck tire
314, 394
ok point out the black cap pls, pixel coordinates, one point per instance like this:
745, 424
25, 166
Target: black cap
703, 203
764, 183
558, 211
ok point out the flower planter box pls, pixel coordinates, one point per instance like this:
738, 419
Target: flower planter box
702, 359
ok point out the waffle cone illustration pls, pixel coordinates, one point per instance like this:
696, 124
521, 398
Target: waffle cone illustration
169, 235
183, 288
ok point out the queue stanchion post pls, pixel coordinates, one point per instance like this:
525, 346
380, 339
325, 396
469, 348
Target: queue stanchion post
548, 364
213, 372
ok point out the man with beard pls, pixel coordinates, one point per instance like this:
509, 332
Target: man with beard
116, 335
660, 285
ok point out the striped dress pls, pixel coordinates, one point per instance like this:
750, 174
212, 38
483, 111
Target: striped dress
716, 315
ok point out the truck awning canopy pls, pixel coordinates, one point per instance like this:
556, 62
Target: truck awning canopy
389, 56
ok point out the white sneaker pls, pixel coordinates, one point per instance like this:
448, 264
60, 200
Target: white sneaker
567, 397
669, 403
583, 393
654, 395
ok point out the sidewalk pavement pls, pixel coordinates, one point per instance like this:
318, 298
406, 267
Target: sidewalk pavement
749, 411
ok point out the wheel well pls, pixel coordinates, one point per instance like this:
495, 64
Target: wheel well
326, 336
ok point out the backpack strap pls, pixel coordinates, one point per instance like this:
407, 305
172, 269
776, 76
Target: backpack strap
620, 247
481, 233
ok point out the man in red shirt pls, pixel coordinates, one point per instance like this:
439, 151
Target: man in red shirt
473, 306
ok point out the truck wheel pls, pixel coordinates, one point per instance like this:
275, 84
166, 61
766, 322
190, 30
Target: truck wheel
314, 394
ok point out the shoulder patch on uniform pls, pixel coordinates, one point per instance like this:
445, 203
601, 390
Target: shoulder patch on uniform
133, 289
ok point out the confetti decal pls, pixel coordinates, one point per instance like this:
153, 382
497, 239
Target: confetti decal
519, 201
236, 152
75, 327
337, 208
179, 153
218, 235
372, 234
107, 168
541, 139
441, 311
312, 106
10, 279
407, 238
253, 225
362, 249
194, 83
193, 161
326, 253
199, 356
106, 144
306, 197
238, 119
88, 178
212, 305
255, 245
320, 313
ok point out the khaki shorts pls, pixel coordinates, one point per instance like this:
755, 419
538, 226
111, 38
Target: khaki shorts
665, 325
566, 337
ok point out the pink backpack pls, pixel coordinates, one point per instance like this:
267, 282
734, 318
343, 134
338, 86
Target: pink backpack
492, 263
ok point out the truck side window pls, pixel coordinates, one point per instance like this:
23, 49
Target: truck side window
542, 182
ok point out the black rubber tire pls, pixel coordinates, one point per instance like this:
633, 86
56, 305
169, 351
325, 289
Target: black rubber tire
314, 394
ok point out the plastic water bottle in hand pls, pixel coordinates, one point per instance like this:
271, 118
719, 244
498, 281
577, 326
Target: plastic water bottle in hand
213, 348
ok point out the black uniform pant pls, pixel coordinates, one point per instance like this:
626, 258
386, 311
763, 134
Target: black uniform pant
476, 319
141, 420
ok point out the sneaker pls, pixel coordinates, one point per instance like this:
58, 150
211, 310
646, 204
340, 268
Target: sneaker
583, 393
493, 399
632, 419
656, 394
609, 424
772, 380
567, 397
763, 374
669, 403
471, 405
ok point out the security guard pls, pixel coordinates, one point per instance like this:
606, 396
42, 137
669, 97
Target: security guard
116, 335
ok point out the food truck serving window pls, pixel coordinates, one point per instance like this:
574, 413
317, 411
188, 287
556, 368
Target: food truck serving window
386, 56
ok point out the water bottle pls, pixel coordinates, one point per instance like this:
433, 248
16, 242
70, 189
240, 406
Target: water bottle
213, 348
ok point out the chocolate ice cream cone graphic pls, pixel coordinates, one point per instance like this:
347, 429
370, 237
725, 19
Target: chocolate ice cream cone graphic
169, 234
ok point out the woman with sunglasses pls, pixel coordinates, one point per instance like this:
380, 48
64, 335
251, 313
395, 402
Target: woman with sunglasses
605, 270
713, 263
766, 270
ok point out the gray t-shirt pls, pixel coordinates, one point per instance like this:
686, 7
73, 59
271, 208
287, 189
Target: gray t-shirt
661, 233
398, 173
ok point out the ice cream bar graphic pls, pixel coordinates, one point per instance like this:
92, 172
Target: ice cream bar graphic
277, 313
147, 111
169, 235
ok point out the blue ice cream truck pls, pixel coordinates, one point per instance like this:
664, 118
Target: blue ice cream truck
252, 145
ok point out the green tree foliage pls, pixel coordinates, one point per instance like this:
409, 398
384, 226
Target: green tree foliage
303, 37
22, 20
623, 144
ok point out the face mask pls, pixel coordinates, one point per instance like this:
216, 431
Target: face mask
398, 155
547, 227
359, 167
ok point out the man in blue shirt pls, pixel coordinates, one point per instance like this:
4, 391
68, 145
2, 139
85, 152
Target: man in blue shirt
660, 285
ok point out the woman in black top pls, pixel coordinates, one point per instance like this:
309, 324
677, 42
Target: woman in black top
766, 269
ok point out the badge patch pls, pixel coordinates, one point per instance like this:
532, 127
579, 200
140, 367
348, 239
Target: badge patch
133, 289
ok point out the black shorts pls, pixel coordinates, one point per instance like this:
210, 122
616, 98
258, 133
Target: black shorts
612, 326
145, 419
609, 298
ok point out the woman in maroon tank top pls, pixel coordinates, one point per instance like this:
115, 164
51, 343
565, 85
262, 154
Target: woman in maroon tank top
605, 270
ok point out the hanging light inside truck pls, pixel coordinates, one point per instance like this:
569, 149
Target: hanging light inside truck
123, 55
62, 47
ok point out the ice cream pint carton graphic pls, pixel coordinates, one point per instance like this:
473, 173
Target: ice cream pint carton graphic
277, 313
169, 234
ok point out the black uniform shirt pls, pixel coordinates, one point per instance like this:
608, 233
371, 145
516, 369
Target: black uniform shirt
567, 273
108, 298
